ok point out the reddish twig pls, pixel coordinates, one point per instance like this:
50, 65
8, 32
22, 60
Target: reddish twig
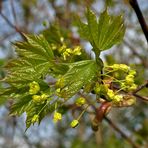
113, 125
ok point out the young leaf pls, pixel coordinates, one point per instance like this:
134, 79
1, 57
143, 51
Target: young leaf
111, 30
35, 45
21, 104
92, 27
33, 109
78, 75
102, 34
53, 33
35, 59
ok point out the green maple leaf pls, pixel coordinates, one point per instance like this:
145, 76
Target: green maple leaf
79, 74
103, 33
35, 59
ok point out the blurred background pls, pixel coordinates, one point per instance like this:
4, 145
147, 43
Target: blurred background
35, 16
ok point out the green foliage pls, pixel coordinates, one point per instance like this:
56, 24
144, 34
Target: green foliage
78, 75
48, 54
103, 33
34, 61
53, 34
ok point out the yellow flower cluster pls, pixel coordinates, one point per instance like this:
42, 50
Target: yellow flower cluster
57, 116
80, 101
122, 67
113, 96
129, 81
59, 85
97, 88
67, 52
60, 82
34, 88
40, 98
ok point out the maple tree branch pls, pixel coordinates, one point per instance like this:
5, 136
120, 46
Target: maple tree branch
144, 98
134, 51
13, 11
12, 26
141, 87
113, 125
140, 17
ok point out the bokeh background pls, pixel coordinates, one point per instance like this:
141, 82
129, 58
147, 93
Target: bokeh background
35, 16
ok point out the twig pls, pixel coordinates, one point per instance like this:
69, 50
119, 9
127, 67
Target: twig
112, 124
141, 97
141, 87
144, 98
140, 17
12, 26
135, 53
121, 132
6, 36
13, 11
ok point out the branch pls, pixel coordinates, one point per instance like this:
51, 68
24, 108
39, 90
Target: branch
6, 36
144, 98
113, 125
12, 26
13, 11
134, 51
141, 97
121, 132
141, 87
140, 17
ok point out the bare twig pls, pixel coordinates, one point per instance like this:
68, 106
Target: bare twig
144, 98
12, 26
6, 36
134, 51
13, 11
141, 19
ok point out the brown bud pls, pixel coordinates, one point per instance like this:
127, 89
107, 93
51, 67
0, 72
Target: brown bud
100, 113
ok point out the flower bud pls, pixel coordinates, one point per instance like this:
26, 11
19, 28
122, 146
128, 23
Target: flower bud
74, 123
124, 67
133, 87
132, 72
117, 98
116, 66
110, 93
80, 101
36, 98
129, 79
34, 88
35, 119
60, 82
57, 116
77, 50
